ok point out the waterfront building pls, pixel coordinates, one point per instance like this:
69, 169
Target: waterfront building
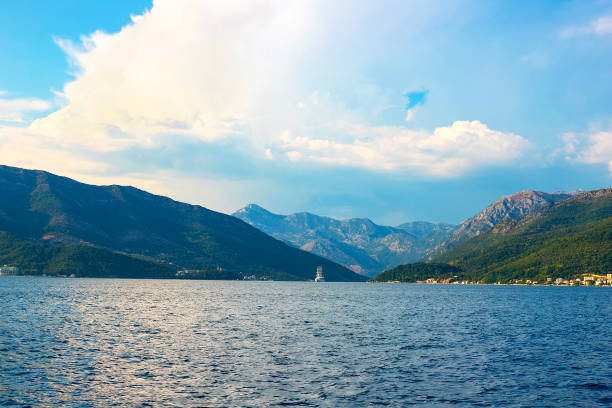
7, 270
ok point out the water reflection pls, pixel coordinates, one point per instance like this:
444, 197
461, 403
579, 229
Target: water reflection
200, 343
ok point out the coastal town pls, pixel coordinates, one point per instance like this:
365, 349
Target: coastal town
8, 270
583, 280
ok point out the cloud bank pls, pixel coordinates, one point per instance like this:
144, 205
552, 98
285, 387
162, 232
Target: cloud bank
448, 151
215, 73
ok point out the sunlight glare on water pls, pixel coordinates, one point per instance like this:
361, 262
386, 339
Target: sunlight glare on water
101, 342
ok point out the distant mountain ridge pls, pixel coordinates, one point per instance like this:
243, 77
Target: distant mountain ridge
368, 248
40, 206
357, 243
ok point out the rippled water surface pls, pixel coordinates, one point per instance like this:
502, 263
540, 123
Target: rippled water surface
102, 342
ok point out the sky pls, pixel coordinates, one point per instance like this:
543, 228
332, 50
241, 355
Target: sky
390, 110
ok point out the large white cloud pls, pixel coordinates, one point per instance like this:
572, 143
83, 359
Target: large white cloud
211, 72
447, 151
195, 69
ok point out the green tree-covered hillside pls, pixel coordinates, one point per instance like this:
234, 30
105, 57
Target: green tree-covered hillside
418, 271
564, 240
36, 258
39, 205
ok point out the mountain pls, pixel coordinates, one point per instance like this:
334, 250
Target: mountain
564, 239
40, 206
510, 207
430, 235
418, 271
357, 243
35, 258
424, 228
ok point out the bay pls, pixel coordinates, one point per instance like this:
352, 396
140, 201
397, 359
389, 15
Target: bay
115, 342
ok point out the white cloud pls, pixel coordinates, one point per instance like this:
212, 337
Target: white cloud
592, 148
598, 149
210, 73
600, 26
205, 71
409, 115
603, 25
22, 147
193, 69
447, 151
17, 110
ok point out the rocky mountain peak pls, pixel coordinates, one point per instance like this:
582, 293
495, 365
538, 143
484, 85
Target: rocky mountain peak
253, 208
510, 207
357, 243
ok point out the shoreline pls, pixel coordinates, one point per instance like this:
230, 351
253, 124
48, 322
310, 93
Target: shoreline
490, 284
307, 281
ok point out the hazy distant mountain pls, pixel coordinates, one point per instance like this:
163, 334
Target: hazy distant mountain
41, 206
422, 228
368, 248
513, 206
430, 235
357, 243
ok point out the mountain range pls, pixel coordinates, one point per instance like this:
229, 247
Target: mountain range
123, 224
55, 225
356, 243
368, 248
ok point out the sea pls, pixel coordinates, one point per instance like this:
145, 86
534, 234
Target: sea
121, 342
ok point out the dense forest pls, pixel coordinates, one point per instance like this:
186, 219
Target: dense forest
418, 271
37, 258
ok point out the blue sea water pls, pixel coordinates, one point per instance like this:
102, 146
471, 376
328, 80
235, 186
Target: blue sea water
105, 342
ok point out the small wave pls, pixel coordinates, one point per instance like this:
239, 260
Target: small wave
595, 386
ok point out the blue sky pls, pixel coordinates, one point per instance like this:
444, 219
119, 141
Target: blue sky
391, 110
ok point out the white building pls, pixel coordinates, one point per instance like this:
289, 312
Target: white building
8, 270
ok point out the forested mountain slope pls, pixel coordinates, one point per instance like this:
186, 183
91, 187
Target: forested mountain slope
42, 206
565, 239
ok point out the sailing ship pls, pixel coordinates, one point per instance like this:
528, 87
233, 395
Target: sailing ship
320, 277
